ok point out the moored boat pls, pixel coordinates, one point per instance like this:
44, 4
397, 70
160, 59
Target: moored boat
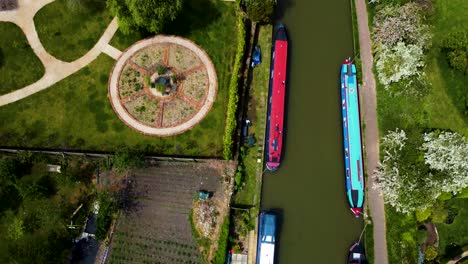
276, 99
266, 238
356, 254
354, 169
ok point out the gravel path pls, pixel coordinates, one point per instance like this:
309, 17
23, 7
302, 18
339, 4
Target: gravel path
369, 110
55, 69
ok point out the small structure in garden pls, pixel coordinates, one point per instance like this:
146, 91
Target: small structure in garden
163, 85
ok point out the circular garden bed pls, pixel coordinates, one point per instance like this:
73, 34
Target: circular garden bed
163, 85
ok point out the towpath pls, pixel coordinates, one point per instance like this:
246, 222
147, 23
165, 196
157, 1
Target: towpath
369, 111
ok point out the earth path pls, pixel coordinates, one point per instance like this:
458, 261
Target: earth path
55, 69
369, 109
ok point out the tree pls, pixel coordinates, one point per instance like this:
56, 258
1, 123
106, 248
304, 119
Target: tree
455, 46
403, 181
261, 11
147, 14
394, 24
448, 153
398, 63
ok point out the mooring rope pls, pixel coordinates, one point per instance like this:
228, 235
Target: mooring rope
362, 233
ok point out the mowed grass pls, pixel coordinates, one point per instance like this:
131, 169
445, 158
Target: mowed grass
69, 33
444, 105
76, 113
447, 104
19, 66
256, 114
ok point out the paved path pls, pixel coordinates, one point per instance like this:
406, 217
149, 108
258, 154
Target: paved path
55, 70
164, 131
369, 110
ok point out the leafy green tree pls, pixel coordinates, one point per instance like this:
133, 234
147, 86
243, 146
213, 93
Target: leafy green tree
261, 11
147, 14
431, 253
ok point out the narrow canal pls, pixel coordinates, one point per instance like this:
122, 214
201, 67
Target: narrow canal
317, 225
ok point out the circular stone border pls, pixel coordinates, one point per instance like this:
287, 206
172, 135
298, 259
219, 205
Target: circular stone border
129, 120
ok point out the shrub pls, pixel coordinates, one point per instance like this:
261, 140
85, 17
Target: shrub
161, 88
220, 255
233, 92
104, 218
455, 46
259, 10
431, 253
161, 69
423, 215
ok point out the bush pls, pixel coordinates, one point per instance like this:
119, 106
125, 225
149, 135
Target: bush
259, 10
455, 46
431, 253
233, 92
104, 218
423, 215
220, 255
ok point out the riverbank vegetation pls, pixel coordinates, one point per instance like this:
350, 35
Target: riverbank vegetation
422, 102
38, 205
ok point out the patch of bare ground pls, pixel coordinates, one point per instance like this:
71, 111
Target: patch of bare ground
177, 111
130, 82
195, 85
182, 58
151, 56
143, 108
157, 229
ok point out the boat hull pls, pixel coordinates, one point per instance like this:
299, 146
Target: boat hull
266, 238
356, 254
276, 100
352, 141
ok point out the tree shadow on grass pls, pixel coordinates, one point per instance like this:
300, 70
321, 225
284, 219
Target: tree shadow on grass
195, 14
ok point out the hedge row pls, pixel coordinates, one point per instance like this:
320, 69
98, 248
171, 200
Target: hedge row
221, 252
233, 92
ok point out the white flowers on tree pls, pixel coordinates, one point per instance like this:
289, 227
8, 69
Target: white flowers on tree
400, 38
448, 152
393, 24
399, 62
403, 189
409, 185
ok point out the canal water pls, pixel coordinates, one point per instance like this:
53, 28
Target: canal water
308, 189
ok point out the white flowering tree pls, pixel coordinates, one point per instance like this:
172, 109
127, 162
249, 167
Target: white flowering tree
409, 183
448, 153
405, 186
394, 24
398, 63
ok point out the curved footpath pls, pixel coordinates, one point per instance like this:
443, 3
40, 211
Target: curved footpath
55, 69
369, 111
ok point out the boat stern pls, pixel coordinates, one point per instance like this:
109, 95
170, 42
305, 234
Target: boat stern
356, 211
272, 166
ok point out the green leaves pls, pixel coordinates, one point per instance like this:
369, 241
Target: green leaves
150, 15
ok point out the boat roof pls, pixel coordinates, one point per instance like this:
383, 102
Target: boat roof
352, 135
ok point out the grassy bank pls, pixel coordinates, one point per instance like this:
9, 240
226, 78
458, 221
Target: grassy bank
257, 114
442, 105
357, 48
19, 66
69, 32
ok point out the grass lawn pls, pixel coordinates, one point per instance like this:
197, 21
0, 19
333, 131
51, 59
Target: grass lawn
442, 107
257, 114
402, 241
19, 66
76, 113
454, 235
68, 33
